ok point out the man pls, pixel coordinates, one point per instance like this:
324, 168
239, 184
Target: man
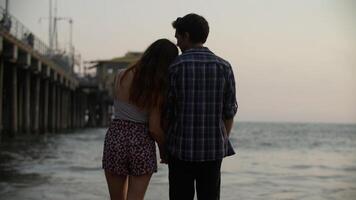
201, 105
5, 22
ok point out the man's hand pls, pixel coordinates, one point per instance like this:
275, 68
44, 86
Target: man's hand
228, 125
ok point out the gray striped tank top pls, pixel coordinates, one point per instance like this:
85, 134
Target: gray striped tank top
127, 111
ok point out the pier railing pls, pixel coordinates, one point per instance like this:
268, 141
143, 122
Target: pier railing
14, 27
21, 32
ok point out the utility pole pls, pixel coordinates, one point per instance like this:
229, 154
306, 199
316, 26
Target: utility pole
50, 30
70, 21
6, 7
53, 33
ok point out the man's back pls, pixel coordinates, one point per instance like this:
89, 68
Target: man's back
201, 95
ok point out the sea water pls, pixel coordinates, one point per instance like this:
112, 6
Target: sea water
273, 161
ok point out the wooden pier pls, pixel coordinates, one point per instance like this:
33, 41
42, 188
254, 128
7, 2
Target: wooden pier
37, 95
39, 90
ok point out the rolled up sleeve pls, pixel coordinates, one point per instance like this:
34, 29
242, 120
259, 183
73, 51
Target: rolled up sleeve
230, 103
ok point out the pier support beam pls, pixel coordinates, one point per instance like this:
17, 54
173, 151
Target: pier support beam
46, 105
27, 101
64, 116
14, 104
20, 97
63, 109
53, 106
1, 93
58, 108
70, 108
77, 109
104, 114
77, 116
36, 103
73, 109
84, 113
81, 110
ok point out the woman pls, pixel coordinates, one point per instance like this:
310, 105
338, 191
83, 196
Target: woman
129, 157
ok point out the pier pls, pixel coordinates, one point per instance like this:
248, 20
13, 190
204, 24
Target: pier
39, 90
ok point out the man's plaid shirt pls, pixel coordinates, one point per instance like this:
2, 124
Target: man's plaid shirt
201, 94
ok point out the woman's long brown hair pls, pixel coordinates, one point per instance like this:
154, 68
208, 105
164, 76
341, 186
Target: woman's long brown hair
150, 80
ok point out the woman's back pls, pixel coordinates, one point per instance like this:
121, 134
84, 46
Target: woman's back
129, 147
122, 108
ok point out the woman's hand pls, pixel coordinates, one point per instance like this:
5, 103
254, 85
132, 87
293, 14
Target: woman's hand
162, 155
164, 161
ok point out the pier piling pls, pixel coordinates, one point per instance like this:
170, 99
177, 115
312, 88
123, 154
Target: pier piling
1, 92
39, 90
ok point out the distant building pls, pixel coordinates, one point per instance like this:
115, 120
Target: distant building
107, 69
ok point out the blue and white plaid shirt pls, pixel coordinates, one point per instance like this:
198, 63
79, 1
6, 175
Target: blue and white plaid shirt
201, 94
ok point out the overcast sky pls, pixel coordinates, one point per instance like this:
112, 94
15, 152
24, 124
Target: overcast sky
294, 60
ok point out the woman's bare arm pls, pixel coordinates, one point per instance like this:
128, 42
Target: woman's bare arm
156, 131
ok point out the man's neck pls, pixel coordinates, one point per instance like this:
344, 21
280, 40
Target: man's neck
194, 46
198, 45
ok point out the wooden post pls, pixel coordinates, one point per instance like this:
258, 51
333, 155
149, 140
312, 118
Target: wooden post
6, 98
91, 119
74, 109
77, 110
20, 101
58, 108
71, 110
78, 105
14, 117
104, 114
63, 109
53, 108
81, 111
27, 101
85, 107
1, 92
46, 105
36, 103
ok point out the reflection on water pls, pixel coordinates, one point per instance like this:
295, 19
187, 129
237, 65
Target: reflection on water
61, 166
274, 161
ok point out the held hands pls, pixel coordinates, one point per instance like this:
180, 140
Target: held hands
163, 156
163, 161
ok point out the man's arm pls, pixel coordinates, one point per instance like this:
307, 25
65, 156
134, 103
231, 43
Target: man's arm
228, 125
230, 102
156, 131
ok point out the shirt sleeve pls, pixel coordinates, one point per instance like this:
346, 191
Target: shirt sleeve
230, 103
168, 111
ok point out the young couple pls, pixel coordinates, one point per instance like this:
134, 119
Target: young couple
186, 104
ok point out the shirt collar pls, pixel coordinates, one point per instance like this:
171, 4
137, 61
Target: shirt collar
197, 49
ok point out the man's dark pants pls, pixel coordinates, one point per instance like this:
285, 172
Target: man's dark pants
183, 174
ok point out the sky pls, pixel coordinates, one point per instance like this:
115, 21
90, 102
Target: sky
293, 60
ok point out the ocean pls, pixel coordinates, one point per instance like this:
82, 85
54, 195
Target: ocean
282, 161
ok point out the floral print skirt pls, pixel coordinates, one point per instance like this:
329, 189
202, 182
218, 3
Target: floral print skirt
129, 149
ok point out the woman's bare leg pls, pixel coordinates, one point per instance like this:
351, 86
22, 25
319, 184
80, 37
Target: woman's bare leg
117, 186
138, 186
